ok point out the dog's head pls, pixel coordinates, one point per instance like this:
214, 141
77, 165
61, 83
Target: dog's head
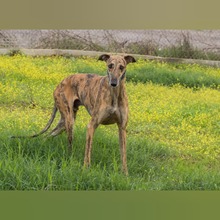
116, 67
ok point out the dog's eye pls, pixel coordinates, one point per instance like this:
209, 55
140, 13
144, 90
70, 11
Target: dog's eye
121, 68
110, 66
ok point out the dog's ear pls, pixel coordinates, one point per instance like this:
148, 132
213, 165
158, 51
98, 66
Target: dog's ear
129, 59
104, 57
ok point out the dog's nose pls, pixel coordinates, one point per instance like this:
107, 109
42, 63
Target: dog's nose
113, 84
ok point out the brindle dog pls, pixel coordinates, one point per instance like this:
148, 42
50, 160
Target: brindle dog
104, 97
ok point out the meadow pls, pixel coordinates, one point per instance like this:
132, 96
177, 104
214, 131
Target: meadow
172, 136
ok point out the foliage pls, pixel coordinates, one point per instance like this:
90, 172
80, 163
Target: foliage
173, 130
182, 48
58, 39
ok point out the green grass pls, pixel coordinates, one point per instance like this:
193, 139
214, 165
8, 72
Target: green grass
170, 74
172, 135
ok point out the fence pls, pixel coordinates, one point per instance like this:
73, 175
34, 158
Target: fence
194, 44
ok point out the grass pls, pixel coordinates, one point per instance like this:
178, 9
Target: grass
170, 74
173, 131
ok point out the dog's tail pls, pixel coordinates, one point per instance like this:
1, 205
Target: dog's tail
46, 127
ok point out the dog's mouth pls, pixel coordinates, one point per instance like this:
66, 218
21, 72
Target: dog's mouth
113, 84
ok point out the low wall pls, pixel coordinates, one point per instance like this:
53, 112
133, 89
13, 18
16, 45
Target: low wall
79, 53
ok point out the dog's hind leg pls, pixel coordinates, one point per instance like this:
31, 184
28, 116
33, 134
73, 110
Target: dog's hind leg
70, 116
65, 123
68, 120
64, 102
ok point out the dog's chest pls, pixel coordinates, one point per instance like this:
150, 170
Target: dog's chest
110, 115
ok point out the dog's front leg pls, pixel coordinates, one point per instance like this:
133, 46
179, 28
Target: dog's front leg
89, 138
122, 142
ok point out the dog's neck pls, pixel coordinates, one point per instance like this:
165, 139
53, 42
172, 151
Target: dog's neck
117, 93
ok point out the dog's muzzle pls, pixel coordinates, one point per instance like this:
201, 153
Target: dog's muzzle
114, 81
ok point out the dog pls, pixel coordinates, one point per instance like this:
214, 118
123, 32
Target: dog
104, 97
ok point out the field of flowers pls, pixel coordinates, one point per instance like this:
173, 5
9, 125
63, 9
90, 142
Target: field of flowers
173, 130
